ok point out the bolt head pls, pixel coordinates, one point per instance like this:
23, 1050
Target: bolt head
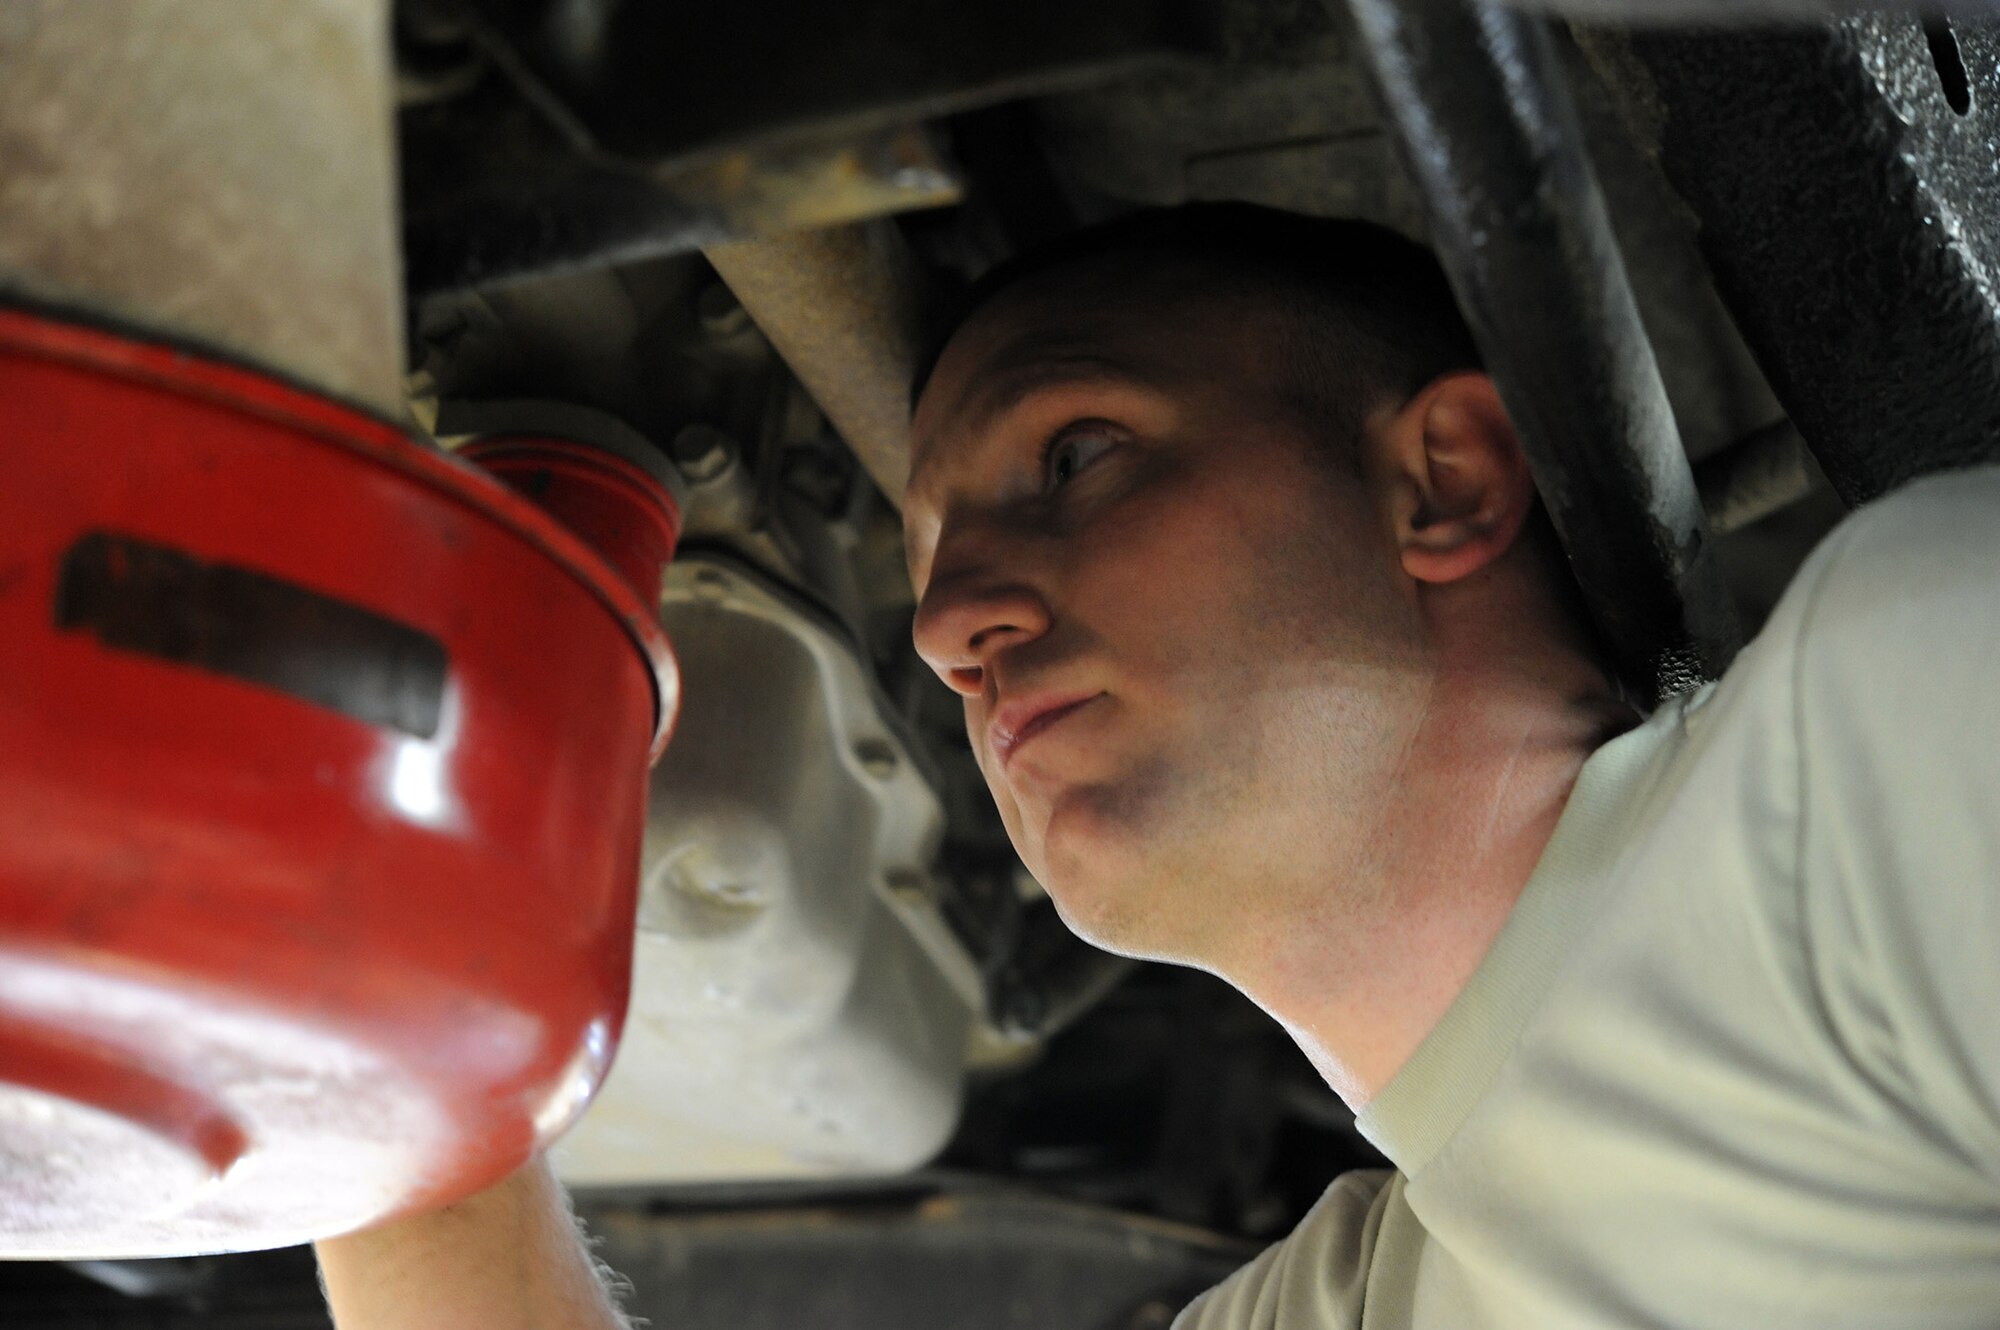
702, 452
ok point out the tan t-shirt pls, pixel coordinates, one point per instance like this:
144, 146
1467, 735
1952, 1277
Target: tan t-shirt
1734, 1060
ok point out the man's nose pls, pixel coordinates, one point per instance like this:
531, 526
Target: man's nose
964, 622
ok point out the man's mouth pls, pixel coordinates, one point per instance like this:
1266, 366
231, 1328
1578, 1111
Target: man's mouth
1017, 722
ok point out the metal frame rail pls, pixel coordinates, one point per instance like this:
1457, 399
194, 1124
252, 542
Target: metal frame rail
1487, 128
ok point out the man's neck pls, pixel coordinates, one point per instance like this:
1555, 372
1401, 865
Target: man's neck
1488, 768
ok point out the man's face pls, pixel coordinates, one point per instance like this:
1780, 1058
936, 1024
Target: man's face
1175, 617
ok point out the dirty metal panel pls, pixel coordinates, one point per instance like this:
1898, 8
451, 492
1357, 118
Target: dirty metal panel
493, 192
1847, 184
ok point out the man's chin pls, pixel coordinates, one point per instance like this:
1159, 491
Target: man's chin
1098, 916
1109, 886
1126, 919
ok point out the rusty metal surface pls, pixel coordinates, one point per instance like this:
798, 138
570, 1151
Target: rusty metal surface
494, 192
843, 306
1493, 142
221, 174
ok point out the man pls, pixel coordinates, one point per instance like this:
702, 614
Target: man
1677, 1020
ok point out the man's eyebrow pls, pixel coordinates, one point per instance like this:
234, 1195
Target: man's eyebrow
1009, 387
1004, 389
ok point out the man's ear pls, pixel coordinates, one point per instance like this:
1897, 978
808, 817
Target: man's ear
1459, 487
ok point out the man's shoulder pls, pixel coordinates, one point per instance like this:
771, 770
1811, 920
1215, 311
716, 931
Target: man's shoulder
1314, 1277
1895, 610
1906, 575
1895, 713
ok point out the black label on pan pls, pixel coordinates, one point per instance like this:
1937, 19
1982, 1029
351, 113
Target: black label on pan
154, 600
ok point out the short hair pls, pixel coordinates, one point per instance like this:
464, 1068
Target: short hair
1370, 313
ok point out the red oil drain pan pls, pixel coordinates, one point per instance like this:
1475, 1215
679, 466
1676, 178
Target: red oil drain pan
322, 783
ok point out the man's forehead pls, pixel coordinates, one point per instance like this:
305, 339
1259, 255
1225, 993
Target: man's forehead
1091, 326
1021, 330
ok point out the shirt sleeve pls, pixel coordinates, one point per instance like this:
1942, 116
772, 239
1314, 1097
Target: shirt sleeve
1314, 1278
1896, 689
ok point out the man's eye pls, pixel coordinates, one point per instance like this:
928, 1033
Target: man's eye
1070, 451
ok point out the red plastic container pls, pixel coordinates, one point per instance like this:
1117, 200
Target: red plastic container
322, 782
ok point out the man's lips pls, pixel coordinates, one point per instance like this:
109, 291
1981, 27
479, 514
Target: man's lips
1017, 722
